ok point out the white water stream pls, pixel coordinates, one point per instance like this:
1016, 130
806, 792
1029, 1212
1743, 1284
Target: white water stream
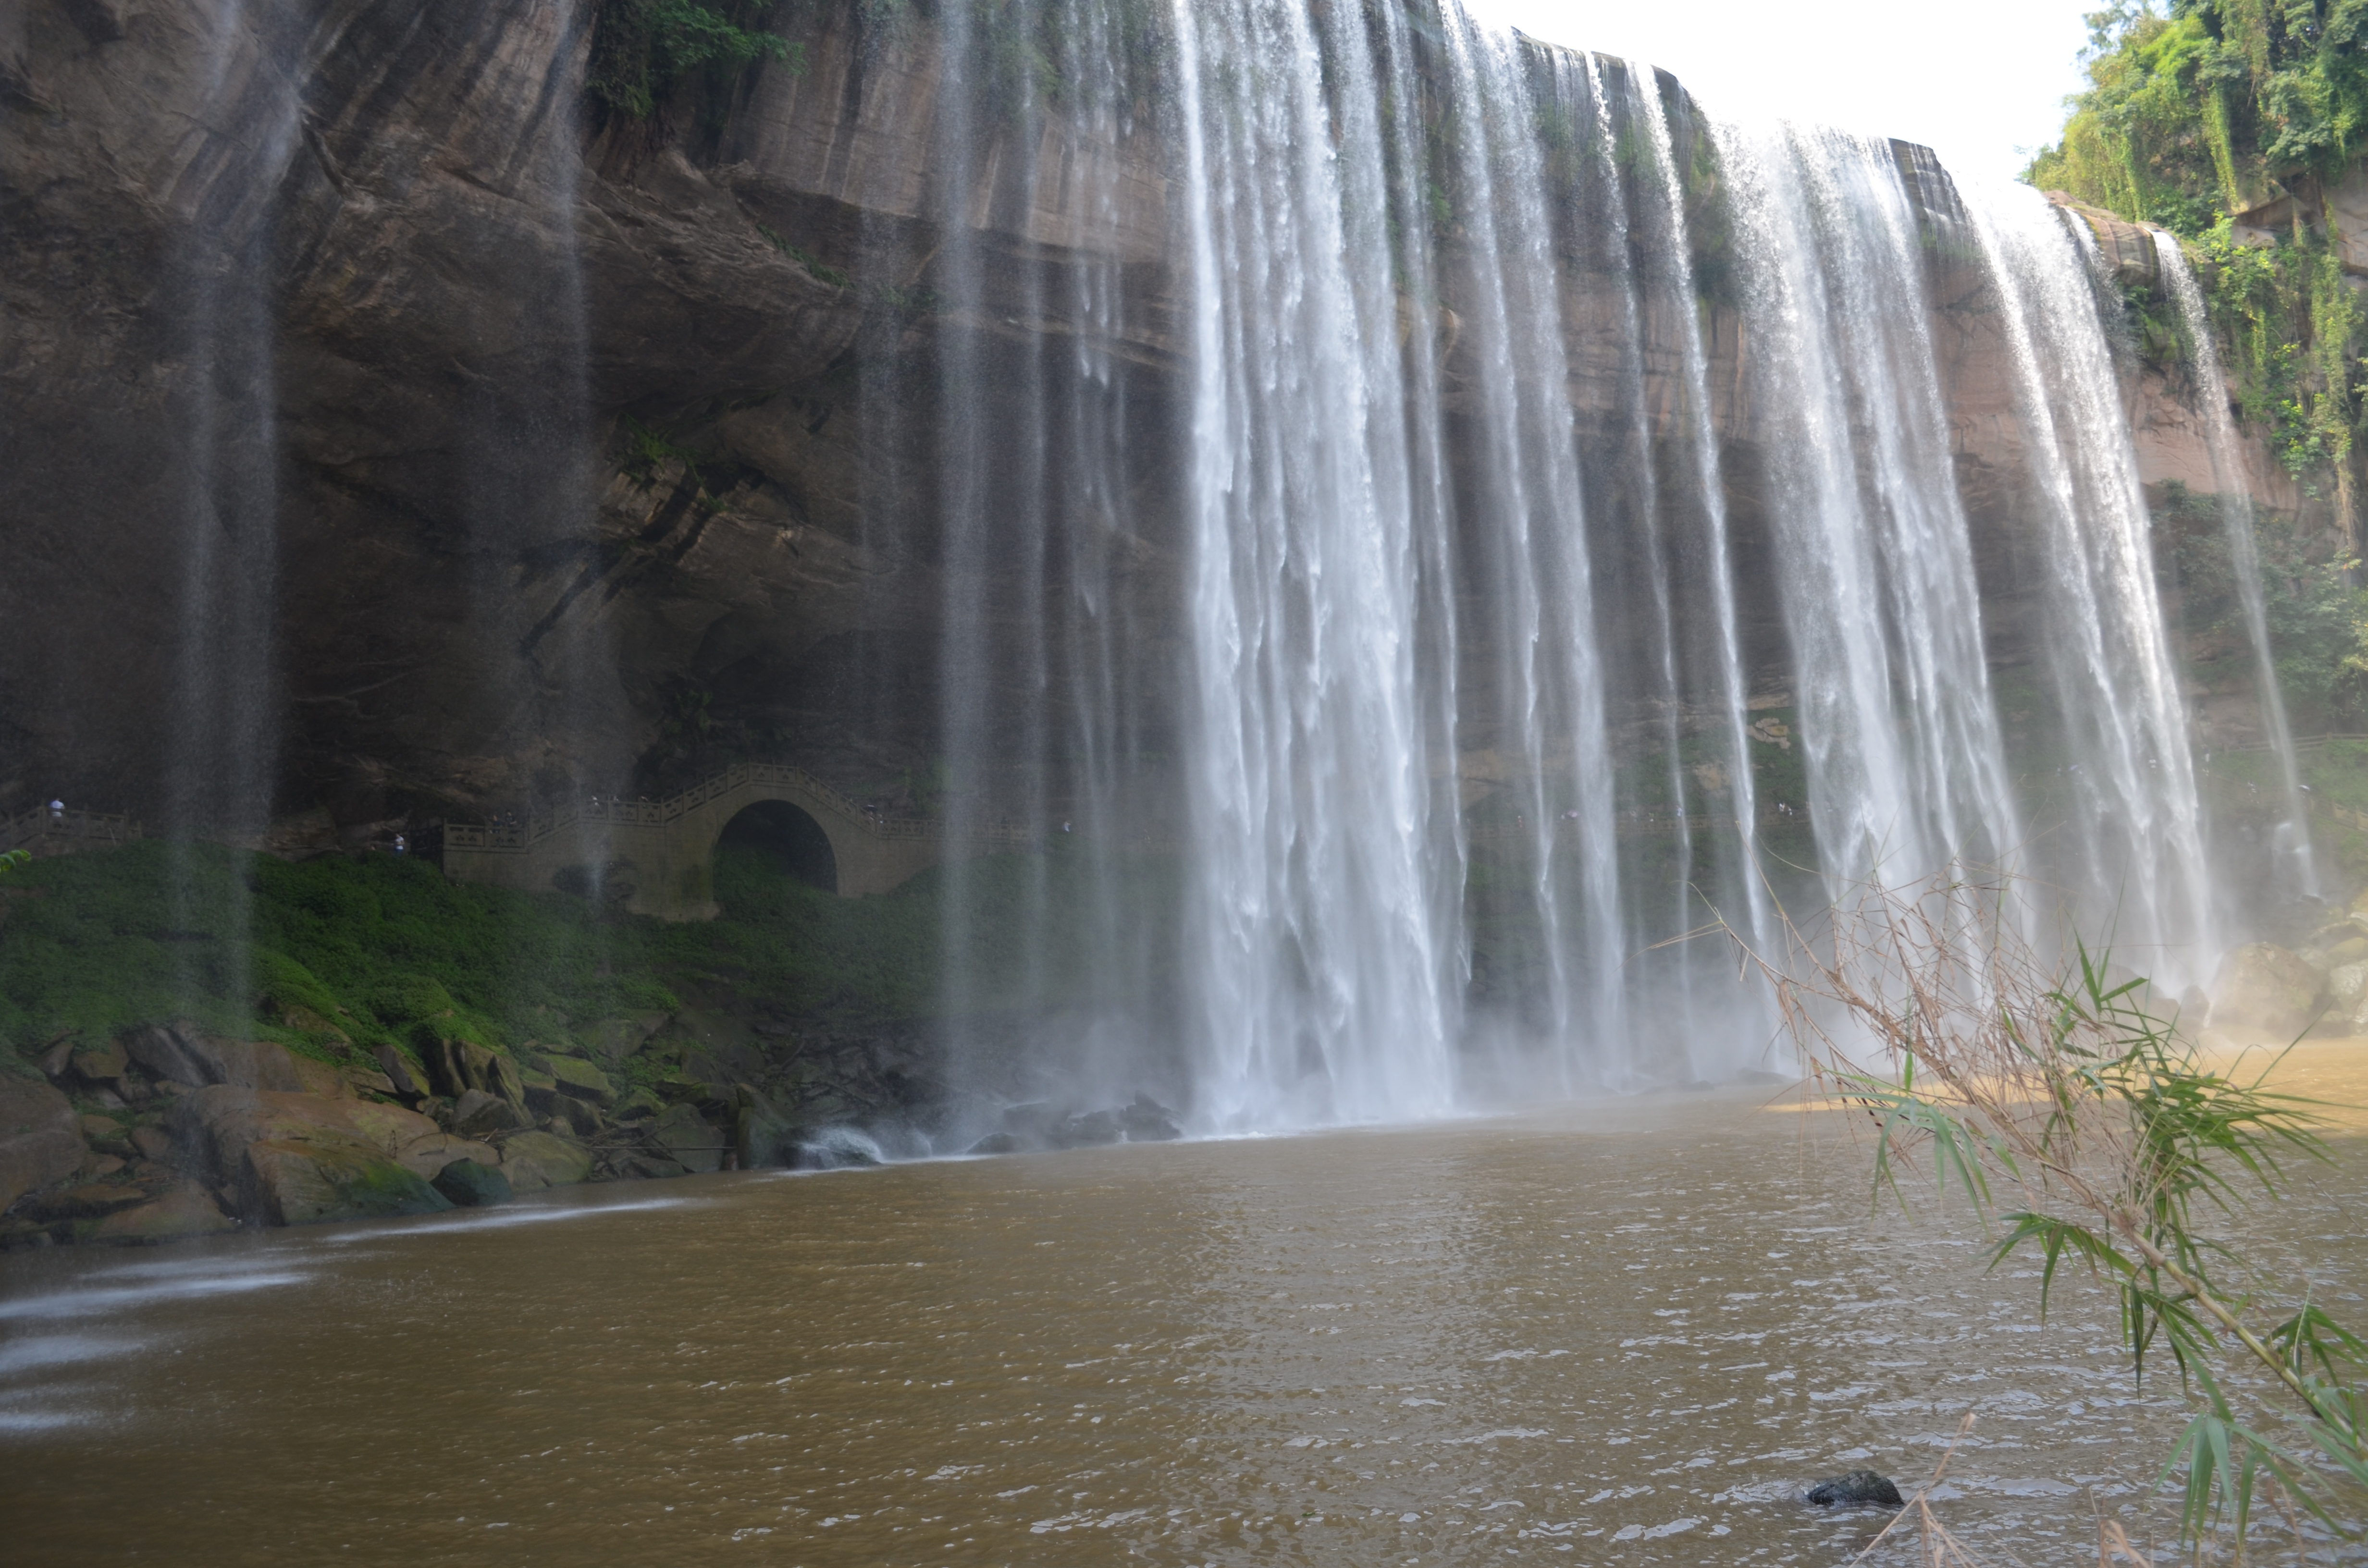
2232, 487
1560, 503
1489, 691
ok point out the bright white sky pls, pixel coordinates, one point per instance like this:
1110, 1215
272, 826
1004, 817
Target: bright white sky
1983, 85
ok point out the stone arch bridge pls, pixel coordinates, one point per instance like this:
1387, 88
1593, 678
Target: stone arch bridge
658, 857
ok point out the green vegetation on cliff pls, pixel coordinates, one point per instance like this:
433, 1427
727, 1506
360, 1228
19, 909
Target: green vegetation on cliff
642, 50
342, 955
2226, 121
2212, 107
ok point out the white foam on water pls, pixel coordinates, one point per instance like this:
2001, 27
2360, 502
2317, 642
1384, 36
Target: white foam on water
88, 1302
501, 1220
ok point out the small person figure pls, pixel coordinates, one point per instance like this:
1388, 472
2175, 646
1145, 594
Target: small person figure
399, 844
57, 811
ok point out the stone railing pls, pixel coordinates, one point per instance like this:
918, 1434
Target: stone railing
62, 832
2304, 745
761, 776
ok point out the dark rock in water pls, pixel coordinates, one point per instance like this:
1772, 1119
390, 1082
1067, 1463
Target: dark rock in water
1087, 1131
762, 1135
1044, 1125
1148, 1121
683, 1136
472, 1186
1858, 1489
1035, 1122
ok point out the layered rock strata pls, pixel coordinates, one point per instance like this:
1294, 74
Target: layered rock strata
553, 429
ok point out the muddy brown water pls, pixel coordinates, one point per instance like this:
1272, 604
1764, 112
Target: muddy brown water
1623, 1333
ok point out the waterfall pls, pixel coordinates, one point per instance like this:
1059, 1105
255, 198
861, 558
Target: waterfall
222, 720
1491, 689
2129, 851
1906, 765
2228, 480
1319, 972
1044, 712
1408, 539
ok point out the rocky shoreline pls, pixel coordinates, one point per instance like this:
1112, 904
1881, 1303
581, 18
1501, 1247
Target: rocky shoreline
167, 1131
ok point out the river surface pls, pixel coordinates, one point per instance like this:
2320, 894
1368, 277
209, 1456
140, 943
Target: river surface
1625, 1333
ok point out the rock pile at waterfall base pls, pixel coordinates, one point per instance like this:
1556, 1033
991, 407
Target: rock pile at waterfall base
1044, 1125
2318, 985
166, 1131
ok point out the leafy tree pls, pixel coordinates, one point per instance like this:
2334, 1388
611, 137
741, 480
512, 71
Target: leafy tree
2219, 105
643, 48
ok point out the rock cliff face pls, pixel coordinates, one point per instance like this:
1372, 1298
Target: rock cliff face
359, 394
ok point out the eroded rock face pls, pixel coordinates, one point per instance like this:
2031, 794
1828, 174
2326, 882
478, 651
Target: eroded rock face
471, 308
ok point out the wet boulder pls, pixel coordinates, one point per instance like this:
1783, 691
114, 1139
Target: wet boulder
181, 1212
104, 1067
579, 1080
637, 1105
1089, 1131
106, 1134
762, 1136
613, 1040
456, 1066
291, 1159
165, 1055
479, 1114
89, 1201
253, 1064
182, 1053
41, 1139
1854, 1489
473, 1185
2263, 986
396, 1067
431, 1151
1148, 1121
1045, 1125
536, 1160
688, 1139
316, 1180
